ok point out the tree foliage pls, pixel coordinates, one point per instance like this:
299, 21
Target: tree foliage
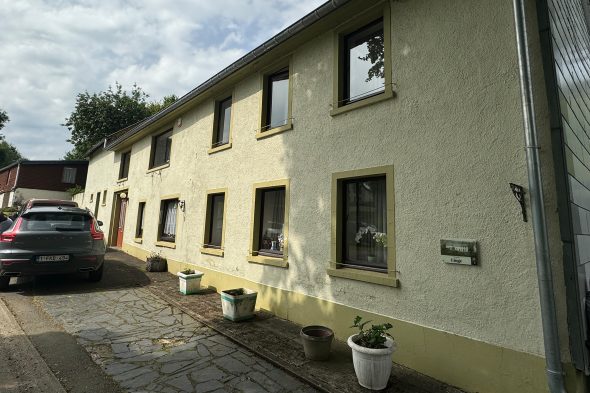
376, 55
98, 115
8, 152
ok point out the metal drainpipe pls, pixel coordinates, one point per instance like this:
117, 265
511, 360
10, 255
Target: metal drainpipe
548, 315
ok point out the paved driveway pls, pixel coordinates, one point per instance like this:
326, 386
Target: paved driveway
148, 346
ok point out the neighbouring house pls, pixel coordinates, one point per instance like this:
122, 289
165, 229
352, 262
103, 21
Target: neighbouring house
360, 162
23, 180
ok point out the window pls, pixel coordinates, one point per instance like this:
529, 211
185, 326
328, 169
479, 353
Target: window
276, 108
363, 66
69, 175
104, 197
214, 223
124, 166
168, 213
222, 123
362, 225
161, 145
270, 218
91, 198
364, 71
140, 220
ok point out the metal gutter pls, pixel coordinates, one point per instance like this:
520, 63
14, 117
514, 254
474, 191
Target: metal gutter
284, 35
544, 275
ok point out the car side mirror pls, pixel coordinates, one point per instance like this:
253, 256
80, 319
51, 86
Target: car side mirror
99, 223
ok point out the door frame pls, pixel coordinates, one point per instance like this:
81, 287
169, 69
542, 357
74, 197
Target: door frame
116, 212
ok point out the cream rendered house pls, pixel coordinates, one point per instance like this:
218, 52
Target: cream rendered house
324, 168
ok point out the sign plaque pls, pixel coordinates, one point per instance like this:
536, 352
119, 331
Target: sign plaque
460, 252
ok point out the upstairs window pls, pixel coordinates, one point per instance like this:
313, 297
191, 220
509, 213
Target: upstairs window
364, 67
161, 146
222, 123
124, 166
69, 175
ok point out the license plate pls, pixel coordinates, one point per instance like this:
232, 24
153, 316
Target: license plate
53, 258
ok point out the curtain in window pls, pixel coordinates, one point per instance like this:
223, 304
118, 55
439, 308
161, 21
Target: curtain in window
365, 231
272, 221
169, 229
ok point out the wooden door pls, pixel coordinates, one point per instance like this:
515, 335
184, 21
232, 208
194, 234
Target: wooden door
121, 226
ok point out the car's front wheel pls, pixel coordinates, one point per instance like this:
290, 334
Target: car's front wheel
96, 276
4, 282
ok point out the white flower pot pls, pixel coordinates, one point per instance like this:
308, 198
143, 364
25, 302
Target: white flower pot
190, 283
372, 366
238, 304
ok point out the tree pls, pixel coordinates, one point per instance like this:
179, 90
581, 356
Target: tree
8, 152
100, 114
3, 118
376, 55
157, 106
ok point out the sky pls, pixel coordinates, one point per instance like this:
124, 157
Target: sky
52, 50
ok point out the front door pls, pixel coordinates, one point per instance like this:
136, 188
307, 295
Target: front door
121, 226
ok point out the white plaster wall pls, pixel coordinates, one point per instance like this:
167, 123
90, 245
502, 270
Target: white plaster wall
454, 135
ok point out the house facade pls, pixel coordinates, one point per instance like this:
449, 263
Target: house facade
359, 163
23, 180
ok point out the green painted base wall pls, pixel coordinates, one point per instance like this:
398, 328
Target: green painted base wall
474, 366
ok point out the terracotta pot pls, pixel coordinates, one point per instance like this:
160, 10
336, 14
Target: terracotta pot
317, 342
372, 366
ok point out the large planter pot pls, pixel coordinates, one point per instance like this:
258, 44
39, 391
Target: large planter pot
189, 283
238, 304
156, 265
372, 366
317, 342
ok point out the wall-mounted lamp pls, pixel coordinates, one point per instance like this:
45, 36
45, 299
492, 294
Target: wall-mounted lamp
181, 205
518, 192
122, 195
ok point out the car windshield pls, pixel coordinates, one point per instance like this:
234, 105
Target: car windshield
49, 221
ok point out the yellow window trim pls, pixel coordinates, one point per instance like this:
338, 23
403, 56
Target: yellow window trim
160, 243
335, 269
216, 102
138, 240
383, 11
274, 131
211, 250
219, 148
253, 256
124, 179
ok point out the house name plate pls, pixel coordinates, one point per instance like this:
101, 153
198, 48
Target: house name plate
460, 252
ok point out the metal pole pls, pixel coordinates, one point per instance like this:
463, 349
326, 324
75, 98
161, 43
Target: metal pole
544, 275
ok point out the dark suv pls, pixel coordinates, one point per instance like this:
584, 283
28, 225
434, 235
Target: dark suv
52, 240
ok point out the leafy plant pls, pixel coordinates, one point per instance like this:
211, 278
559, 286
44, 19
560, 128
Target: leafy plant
75, 190
155, 257
373, 337
187, 271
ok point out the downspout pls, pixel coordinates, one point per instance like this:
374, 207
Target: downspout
548, 314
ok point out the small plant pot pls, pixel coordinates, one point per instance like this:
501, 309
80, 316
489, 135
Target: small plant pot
372, 366
317, 342
156, 265
238, 304
189, 283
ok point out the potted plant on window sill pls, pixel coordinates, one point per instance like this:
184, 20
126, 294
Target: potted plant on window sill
156, 263
189, 281
238, 304
371, 354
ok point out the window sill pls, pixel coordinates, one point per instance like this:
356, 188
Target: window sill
270, 261
363, 275
138, 240
212, 251
103, 204
219, 148
165, 244
386, 95
274, 131
157, 168
122, 180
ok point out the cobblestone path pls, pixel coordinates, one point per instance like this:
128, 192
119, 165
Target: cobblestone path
148, 346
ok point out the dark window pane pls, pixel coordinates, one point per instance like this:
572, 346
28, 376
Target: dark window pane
365, 222
140, 219
124, 168
223, 122
216, 224
162, 145
278, 99
55, 222
364, 62
168, 223
272, 219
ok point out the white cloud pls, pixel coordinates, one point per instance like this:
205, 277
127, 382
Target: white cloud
53, 50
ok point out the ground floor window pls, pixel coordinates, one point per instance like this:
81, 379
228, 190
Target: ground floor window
214, 220
168, 214
140, 220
